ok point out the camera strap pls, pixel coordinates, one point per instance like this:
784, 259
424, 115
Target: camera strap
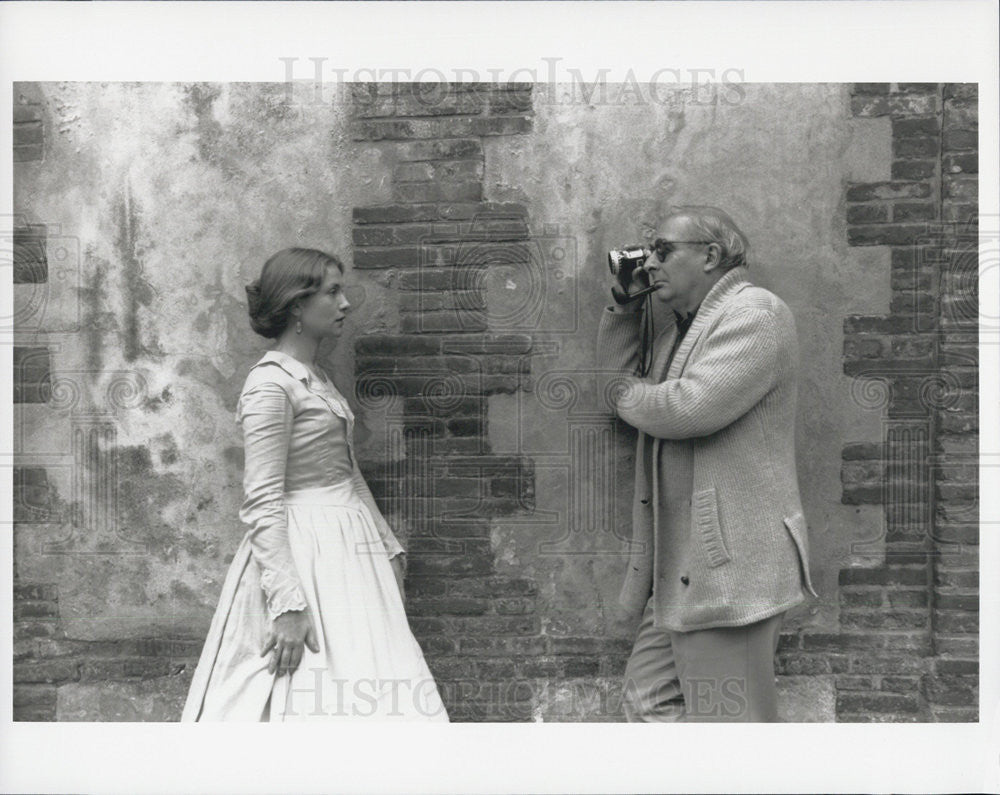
646, 339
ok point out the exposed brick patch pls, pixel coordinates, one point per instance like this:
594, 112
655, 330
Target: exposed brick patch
45, 659
32, 375
919, 364
30, 256
481, 632
29, 132
31, 494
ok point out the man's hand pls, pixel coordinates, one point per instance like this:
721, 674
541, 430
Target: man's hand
289, 632
635, 285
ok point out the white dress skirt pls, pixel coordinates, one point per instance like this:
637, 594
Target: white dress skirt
369, 665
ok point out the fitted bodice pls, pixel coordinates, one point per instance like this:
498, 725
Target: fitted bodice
320, 433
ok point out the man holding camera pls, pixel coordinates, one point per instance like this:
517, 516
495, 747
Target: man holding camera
719, 544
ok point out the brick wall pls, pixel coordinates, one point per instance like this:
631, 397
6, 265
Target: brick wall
45, 660
481, 631
28, 128
907, 648
36, 610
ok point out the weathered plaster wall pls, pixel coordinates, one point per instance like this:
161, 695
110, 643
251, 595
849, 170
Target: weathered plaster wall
173, 195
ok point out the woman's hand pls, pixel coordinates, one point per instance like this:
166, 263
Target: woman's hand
288, 632
397, 569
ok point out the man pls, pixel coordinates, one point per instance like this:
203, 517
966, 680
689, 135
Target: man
720, 548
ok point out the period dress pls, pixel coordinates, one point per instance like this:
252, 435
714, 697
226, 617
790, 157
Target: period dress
316, 540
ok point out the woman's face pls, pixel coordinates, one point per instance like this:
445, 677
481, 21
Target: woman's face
323, 312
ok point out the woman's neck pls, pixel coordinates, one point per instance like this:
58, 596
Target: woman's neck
299, 347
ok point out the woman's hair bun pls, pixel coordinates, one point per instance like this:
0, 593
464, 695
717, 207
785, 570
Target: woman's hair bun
291, 275
253, 296
260, 321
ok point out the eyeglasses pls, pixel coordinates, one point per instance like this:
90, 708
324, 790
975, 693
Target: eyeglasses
664, 248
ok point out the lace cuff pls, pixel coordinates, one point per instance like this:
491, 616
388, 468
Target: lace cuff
393, 547
281, 594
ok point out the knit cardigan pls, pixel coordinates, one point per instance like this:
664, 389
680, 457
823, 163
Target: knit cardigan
718, 533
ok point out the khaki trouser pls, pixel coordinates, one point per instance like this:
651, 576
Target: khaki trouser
723, 674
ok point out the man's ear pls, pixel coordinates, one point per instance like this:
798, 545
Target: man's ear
713, 257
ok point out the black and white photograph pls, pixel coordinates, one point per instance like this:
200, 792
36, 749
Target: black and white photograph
524, 394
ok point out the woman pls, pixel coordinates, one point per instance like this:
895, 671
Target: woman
310, 624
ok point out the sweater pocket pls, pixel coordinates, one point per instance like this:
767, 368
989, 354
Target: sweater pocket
796, 526
706, 515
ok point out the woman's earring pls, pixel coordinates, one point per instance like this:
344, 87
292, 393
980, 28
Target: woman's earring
298, 326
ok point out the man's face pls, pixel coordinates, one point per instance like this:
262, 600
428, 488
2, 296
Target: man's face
681, 275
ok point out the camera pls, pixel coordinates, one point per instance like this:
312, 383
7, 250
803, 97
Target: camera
625, 265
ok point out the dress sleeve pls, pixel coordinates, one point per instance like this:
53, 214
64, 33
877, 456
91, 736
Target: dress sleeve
389, 541
266, 416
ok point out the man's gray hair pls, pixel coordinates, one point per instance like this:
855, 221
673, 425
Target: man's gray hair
715, 225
